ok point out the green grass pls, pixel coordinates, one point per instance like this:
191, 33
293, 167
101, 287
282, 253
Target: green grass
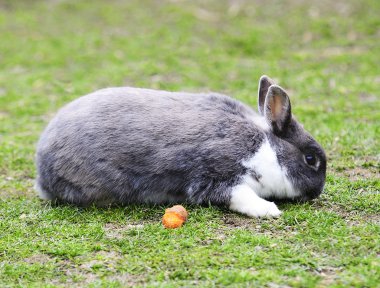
325, 53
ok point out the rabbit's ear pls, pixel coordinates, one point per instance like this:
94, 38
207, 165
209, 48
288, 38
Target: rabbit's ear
264, 84
277, 109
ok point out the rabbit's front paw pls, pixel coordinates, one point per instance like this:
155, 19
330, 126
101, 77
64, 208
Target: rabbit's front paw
244, 200
265, 209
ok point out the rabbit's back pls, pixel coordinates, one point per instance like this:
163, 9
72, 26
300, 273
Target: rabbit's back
128, 145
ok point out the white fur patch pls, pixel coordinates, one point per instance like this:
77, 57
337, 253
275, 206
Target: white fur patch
244, 200
272, 178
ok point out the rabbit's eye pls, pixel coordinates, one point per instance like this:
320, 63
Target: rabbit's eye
310, 160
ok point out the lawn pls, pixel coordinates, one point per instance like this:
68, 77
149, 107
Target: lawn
325, 53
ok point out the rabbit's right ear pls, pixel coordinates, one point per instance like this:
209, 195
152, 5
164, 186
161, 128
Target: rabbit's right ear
264, 84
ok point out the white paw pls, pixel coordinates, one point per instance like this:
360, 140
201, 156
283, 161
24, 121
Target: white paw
263, 209
244, 200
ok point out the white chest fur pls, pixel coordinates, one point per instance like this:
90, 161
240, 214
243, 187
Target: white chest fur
265, 175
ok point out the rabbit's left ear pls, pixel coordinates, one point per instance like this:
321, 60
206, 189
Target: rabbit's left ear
277, 109
264, 84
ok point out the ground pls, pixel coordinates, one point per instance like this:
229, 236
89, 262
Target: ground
325, 53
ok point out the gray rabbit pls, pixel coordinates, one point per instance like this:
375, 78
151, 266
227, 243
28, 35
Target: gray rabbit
127, 145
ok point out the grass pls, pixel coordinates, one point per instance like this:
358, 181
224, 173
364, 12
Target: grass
324, 52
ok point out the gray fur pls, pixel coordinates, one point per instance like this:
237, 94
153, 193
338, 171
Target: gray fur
126, 145
130, 145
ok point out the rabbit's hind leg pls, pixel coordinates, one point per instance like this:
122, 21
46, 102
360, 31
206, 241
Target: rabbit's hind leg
64, 191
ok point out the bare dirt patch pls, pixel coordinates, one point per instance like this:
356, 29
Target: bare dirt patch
360, 219
11, 182
116, 231
259, 226
237, 221
87, 269
329, 276
364, 168
38, 258
361, 173
128, 280
3, 114
100, 259
366, 97
351, 217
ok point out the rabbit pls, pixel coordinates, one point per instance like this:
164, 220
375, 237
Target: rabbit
123, 145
